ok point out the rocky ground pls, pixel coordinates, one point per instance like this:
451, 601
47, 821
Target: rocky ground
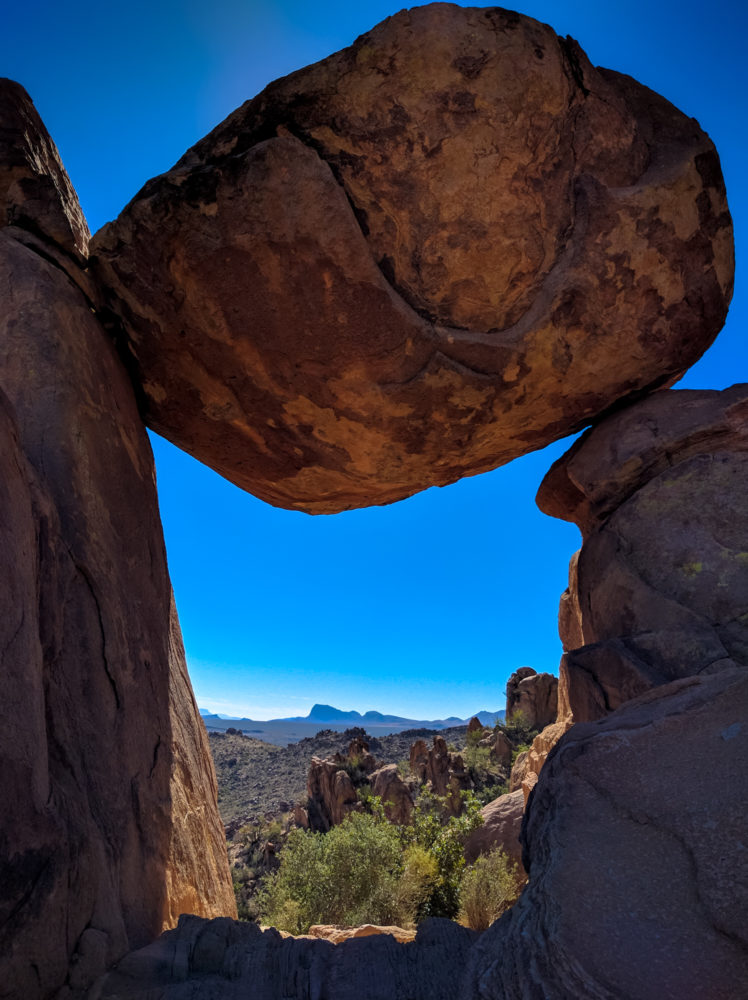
257, 779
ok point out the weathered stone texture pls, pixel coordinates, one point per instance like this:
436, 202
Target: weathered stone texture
225, 960
395, 793
414, 261
111, 826
659, 589
502, 821
634, 839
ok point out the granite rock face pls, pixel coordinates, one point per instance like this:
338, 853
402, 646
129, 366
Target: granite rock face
442, 770
638, 883
659, 589
395, 793
414, 261
110, 828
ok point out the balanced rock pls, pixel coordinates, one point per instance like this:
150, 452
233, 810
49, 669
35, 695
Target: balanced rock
415, 260
532, 696
110, 827
635, 844
659, 589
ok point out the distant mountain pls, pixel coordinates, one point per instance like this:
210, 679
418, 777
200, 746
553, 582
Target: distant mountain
294, 728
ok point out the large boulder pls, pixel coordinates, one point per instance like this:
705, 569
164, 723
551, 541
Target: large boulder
502, 822
532, 697
415, 260
110, 828
442, 770
659, 589
396, 796
635, 843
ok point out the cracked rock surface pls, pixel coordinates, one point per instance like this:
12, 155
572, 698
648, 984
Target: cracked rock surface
109, 828
659, 589
434, 251
635, 837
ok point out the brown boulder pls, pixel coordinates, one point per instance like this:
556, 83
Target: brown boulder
533, 697
659, 589
475, 725
336, 934
635, 837
502, 821
502, 748
395, 794
388, 271
331, 794
113, 827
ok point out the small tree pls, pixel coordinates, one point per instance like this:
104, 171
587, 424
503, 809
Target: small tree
488, 888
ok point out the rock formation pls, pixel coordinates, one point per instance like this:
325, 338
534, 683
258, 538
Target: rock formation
442, 770
386, 272
532, 696
110, 827
502, 822
331, 788
659, 589
227, 960
396, 796
634, 840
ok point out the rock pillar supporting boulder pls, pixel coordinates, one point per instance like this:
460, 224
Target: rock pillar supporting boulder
634, 841
659, 589
110, 827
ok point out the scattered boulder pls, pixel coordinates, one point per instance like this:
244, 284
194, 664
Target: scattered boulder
634, 841
475, 726
331, 794
659, 589
502, 748
386, 272
502, 821
396, 796
532, 696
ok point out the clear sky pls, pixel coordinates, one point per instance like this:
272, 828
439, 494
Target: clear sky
423, 608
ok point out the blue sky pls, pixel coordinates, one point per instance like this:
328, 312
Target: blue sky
423, 608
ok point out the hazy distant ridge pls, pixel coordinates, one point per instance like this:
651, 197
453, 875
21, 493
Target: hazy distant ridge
296, 727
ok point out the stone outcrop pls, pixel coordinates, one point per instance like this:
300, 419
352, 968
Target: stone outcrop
395, 793
537, 755
386, 272
659, 589
502, 822
532, 696
111, 827
331, 788
442, 770
501, 747
336, 935
634, 839
226, 960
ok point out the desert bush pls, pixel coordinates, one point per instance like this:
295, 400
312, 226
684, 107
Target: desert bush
347, 876
488, 888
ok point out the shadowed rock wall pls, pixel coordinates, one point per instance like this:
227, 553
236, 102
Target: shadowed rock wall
659, 589
110, 827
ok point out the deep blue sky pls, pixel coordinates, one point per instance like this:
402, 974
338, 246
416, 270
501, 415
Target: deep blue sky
423, 608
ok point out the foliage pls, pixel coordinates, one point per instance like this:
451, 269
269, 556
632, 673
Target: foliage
347, 876
368, 870
489, 888
519, 728
443, 836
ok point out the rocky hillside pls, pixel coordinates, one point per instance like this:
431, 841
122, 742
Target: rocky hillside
257, 778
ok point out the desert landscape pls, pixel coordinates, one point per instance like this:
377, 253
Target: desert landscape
438, 249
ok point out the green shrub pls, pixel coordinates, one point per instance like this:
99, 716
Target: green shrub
347, 876
488, 888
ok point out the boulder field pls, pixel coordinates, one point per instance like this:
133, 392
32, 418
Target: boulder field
442, 247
